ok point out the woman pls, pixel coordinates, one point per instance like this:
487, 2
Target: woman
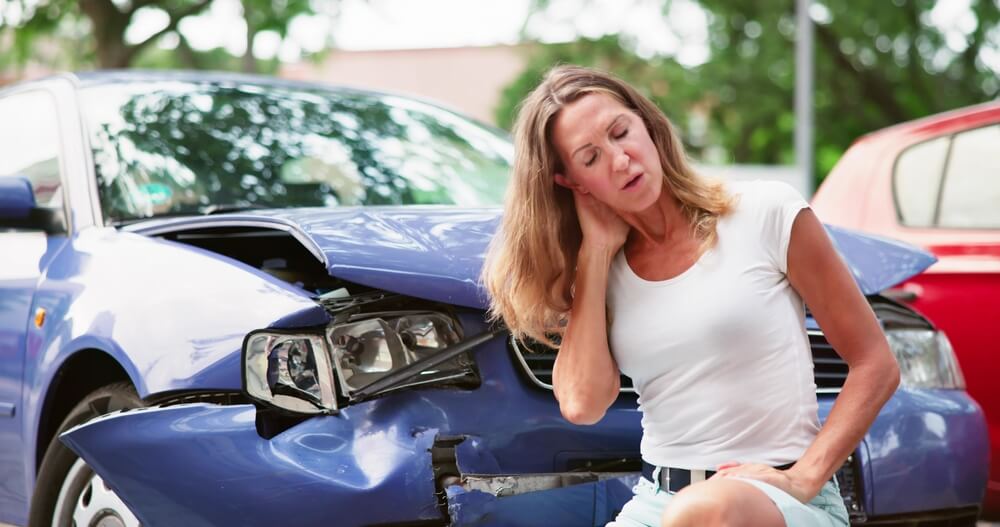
611, 243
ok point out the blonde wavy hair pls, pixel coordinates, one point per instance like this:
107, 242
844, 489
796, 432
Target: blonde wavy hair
531, 263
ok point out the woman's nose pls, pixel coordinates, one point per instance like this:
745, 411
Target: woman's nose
620, 161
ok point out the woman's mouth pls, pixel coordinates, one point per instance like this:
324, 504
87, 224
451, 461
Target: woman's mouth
632, 183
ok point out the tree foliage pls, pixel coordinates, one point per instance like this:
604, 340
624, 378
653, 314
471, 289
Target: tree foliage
26, 24
876, 65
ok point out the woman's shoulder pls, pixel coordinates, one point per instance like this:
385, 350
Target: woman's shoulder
760, 198
763, 192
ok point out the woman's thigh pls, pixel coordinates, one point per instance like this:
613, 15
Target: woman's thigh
722, 502
753, 503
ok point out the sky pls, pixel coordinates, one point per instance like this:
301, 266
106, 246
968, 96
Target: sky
407, 24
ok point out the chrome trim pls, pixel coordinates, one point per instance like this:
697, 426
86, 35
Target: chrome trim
94, 191
537, 382
524, 364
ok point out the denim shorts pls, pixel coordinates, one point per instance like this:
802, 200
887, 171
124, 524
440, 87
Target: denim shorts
825, 510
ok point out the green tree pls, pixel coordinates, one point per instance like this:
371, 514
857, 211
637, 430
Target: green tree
876, 65
268, 15
26, 23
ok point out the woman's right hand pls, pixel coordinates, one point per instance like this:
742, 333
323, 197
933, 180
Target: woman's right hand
603, 229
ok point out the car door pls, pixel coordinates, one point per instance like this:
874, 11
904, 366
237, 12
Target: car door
29, 147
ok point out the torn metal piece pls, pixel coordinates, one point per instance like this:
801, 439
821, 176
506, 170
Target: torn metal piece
595, 503
503, 486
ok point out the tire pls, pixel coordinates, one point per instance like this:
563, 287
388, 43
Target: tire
66, 486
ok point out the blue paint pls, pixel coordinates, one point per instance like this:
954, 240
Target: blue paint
16, 198
330, 471
437, 252
510, 428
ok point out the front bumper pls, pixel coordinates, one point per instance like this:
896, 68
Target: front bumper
202, 464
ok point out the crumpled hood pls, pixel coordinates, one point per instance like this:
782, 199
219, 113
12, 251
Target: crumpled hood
436, 252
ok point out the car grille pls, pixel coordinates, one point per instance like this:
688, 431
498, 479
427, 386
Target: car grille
536, 360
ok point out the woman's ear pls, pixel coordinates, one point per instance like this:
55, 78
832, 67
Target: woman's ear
564, 181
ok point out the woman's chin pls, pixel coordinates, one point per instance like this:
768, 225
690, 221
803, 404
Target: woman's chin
639, 200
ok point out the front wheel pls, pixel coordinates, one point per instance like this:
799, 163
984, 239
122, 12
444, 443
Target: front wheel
68, 493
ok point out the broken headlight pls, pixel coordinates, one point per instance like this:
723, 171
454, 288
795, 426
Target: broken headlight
290, 371
368, 354
368, 350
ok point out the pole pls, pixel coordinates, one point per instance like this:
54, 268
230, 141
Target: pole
804, 95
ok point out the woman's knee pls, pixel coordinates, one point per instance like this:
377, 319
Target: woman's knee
700, 504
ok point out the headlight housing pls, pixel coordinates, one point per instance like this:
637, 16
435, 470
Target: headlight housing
368, 350
926, 359
301, 372
290, 371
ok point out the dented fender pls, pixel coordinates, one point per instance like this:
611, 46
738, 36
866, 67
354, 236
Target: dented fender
202, 465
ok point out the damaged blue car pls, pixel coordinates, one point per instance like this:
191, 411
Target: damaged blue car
227, 300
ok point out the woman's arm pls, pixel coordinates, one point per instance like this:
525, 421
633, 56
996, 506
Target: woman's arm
822, 279
585, 376
816, 271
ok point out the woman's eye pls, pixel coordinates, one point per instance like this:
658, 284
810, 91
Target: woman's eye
590, 161
621, 134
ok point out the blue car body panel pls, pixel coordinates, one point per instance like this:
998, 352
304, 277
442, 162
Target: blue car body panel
96, 292
172, 316
437, 252
226, 465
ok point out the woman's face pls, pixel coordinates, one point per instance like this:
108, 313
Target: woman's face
607, 152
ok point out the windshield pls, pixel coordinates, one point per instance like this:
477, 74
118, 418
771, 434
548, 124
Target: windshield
169, 148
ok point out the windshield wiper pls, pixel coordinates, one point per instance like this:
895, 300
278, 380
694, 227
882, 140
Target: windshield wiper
393, 380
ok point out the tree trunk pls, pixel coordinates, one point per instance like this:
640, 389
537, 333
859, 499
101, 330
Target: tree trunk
187, 56
249, 61
109, 33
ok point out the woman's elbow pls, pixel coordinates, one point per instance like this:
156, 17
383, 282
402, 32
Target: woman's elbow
891, 374
581, 414
584, 408
883, 374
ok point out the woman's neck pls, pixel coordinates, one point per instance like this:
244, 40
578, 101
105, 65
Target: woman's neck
660, 224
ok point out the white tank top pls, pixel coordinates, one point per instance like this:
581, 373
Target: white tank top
719, 354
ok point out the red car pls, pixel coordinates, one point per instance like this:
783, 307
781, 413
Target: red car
935, 183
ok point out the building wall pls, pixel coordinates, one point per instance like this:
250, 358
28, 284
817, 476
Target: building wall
466, 79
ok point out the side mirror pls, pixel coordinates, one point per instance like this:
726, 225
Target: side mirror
16, 199
18, 210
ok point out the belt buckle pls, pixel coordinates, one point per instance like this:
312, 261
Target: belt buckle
661, 478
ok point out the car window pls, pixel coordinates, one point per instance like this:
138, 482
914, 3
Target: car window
917, 180
29, 144
186, 148
971, 194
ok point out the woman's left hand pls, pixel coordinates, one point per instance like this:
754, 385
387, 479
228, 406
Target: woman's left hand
791, 481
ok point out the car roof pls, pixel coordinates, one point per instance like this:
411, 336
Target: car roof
966, 117
99, 77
